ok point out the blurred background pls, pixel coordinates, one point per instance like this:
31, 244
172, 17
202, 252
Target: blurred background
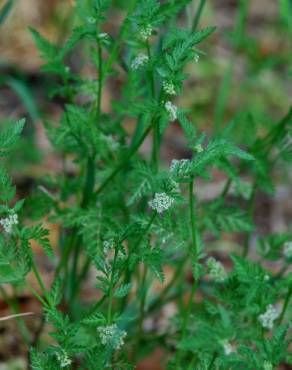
244, 75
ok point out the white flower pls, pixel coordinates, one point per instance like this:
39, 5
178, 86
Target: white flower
91, 20
196, 58
216, 270
145, 32
108, 245
139, 61
8, 222
288, 249
112, 335
268, 365
199, 148
171, 110
267, 319
168, 87
161, 202
63, 358
179, 166
103, 35
227, 347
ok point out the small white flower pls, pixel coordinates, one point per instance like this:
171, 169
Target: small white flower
139, 61
268, 365
8, 222
288, 249
267, 319
112, 335
91, 20
199, 148
227, 347
102, 35
161, 202
266, 278
108, 245
63, 358
196, 58
179, 166
168, 87
145, 32
216, 270
171, 110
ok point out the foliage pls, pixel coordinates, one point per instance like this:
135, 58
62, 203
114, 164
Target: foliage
126, 220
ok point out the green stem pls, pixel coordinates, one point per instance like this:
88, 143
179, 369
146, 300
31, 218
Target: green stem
212, 361
285, 306
194, 252
100, 82
37, 296
40, 281
128, 272
198, 14
192, 363
142, 309
124, 162
111, 291
155, 142
251, 204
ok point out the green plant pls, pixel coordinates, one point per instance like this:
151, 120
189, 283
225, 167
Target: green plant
128, 219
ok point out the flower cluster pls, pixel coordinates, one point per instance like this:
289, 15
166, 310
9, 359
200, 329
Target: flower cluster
8, 222
216, 270
288, 249
171, 110
227, 347
112, 335
63, 358
196, 58
179, 166
268, 365
108, 245
199, 148
161, 202
267, 319
145, 32
139, 61
168, 87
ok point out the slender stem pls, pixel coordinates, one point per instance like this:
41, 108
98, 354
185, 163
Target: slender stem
124, 162
286, 303
212, 361
111, 291
251, 204
40, 281
142, 309
192, 363
155, 142
198, 14
128, 272
100, 81
194, 252
226, 188
37, 296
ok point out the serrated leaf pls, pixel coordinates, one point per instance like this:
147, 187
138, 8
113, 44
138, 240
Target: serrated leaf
123, 290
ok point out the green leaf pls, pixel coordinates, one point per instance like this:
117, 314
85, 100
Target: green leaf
9, 137
202, 34
47, 49
5, 10
123, 290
